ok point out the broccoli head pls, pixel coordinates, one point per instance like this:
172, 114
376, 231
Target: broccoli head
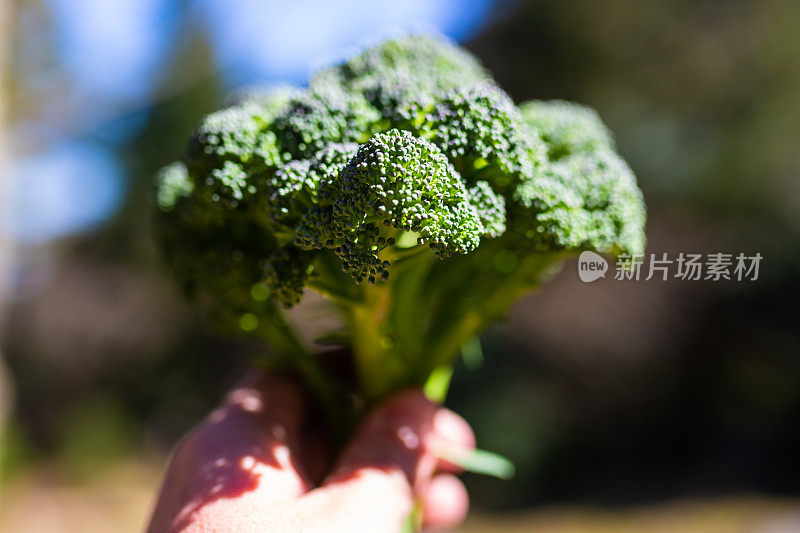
404, 185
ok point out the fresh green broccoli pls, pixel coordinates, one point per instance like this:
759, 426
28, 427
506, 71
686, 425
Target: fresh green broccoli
405, 186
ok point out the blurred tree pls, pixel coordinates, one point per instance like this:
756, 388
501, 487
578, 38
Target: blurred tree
5, 243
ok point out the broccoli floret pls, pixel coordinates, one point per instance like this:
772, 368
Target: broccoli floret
587, 201
322, 116
567, 128
404, 69
398, 182
405, 167
292, 190
285, 273
216, 265
229, 154
490, 208
172, 185
483, 133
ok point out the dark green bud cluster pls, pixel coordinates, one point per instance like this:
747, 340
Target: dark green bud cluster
490, 208
285, 272
291, 192
323, 115
398, 182
227, 151
481, 130
216, 264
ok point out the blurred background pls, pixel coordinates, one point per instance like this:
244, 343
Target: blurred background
667, 406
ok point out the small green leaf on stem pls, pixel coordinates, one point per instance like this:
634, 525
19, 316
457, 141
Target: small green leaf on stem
435, 387
478, 461
413, 522
472, 353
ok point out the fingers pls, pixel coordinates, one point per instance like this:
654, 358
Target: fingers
391, 462
243, 469
445, 503
236, 461
393, 439
450, 430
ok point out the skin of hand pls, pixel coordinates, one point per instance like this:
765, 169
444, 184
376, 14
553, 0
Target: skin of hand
250, 468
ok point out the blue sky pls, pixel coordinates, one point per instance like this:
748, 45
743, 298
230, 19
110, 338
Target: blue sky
112, 54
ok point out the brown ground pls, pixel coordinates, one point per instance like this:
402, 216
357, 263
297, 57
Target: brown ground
118, 502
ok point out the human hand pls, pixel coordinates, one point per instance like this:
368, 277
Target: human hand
250, 468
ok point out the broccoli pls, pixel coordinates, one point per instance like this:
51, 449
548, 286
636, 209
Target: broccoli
406, 187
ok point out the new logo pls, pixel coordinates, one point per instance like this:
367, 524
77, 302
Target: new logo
591, 266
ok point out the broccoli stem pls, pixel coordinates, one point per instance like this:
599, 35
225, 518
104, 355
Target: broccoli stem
294, 357
461, 310
401, 330
376, 364
277, 332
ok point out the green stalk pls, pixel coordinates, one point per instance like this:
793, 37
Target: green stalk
375, 360
461, 313
277, 332
407, 317
384, 324
366, 309
293, 356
